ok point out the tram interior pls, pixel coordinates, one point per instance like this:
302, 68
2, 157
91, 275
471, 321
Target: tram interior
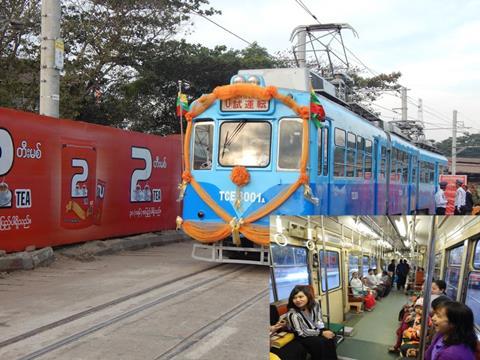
304, 249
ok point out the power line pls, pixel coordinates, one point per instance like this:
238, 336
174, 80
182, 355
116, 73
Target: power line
221, 27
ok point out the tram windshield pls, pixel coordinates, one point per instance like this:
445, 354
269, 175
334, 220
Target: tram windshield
245, 143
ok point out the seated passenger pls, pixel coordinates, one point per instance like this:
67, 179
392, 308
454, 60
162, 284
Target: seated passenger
455, 338
438, 289
411, 336
305, 319
358, 289
406, 317
372, 282
291, 351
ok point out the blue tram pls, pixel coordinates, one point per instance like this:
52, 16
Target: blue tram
353, 166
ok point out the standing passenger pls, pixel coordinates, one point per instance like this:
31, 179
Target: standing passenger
459, 198
468, 200
305, 318
455, 338
441, 200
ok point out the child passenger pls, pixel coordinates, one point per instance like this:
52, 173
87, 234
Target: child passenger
305, 319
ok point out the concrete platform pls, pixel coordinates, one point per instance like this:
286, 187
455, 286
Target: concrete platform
28, 260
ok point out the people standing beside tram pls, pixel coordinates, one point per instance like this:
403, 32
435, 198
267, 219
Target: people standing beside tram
468, 200
460, 197
305, 319
455, 338
441, 199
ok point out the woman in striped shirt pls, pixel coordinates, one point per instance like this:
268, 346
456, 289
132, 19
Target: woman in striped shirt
305, 319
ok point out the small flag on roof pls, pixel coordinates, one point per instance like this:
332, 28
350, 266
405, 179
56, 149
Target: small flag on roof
317, 113
182, 104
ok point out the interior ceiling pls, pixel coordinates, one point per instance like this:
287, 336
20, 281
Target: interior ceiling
388, 227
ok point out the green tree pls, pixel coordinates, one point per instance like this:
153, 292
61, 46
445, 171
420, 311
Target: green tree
467, 146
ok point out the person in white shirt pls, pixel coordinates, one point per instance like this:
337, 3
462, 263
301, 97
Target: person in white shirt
440, 199
358, 288
460, 197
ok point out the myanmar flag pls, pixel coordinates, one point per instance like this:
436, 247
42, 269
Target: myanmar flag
182, 104
317, 113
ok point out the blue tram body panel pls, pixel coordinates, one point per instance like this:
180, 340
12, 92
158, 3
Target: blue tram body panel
386, 176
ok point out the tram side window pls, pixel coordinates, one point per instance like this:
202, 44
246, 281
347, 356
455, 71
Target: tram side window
476, 256
423, 172
351, 147
414, 169
438, 263
472, 299
373, 263
368, 159
290, 268
339, 155
383, 164
202, 147
360, 152
452, 275
333, 270
353, 265
432, 173
365, 265
290, 144
406, 167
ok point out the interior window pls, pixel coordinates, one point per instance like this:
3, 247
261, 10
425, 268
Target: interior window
333, 270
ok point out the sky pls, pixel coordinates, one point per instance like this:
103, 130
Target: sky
434, 44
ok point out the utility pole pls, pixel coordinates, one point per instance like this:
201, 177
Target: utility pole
404, 104
51, 58
454, 143
420, 111
302, 48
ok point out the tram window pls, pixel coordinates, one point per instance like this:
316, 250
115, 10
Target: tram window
325, 151
245, 143
452, 275
368, 146
438, 263
353, 265
476, 256
368, 167
352, 141
290, 268
202, 147
414, 169
360, 151
405, 169
339, 154
333, 270
432, 174
472, 299
383, 164
350, 163
365, 265
373, 263
339, 137
290, 144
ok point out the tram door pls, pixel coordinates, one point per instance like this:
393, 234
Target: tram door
380, 180
323, 183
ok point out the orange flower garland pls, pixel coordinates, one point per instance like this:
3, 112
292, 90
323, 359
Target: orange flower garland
240, 177
211, 232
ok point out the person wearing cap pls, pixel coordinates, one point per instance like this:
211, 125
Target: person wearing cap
441, 199
460, 197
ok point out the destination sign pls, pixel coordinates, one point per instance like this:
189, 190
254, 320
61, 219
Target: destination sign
244, 104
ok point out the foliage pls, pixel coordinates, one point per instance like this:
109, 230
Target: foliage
467, 146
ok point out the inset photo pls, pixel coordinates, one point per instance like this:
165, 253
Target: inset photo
360, 287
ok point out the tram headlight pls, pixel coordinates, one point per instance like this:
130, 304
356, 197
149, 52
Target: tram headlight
253, 79
237, 79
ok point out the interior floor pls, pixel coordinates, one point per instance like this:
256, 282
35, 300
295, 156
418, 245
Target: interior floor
374, 332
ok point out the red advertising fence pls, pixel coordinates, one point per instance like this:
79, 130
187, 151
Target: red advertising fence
451, 189
65, 181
